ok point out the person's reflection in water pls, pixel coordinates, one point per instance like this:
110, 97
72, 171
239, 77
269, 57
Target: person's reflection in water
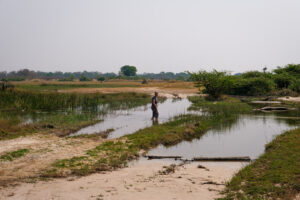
154, 109
155, 122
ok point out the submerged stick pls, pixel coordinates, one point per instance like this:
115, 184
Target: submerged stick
228, 159
150, 157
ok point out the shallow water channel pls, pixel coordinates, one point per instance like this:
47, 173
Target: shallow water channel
128, 121
246, 136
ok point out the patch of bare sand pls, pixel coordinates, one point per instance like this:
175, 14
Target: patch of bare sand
140, 181
11, 145
293, 99
166, 92
44, 150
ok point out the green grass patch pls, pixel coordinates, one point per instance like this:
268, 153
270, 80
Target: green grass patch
10, 156
226, 107
274, 175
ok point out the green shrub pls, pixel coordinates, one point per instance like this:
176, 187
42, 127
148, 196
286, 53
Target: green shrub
291, 69
283, 80
215, 83
252, 74
101, 78
295, 86
84, 78
252, 86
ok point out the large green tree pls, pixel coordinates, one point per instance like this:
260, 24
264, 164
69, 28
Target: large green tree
128, 70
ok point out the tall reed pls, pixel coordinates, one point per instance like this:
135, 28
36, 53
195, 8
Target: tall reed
32, 100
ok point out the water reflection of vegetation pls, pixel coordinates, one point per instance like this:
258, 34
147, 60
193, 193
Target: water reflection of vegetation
233, 109
227, 111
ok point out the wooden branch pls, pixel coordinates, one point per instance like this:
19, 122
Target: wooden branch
162, 157
228, 159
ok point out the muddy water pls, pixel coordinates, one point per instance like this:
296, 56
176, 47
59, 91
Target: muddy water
246, 137
128, 121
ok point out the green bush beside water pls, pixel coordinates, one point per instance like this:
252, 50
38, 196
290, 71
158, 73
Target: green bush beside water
253, 83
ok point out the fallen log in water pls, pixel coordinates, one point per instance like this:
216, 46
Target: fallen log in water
163, 157
228, 159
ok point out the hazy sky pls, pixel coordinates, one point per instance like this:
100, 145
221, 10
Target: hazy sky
153, 35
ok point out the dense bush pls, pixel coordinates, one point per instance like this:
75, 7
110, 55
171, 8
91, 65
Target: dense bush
295, 86
101, 78
291, 69
252, 74
283, 80
213, 83
84, 78
252, 86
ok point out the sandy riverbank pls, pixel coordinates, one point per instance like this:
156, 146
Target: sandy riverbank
142, 180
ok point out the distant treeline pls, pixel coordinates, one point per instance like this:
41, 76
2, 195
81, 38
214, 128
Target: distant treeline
69, 76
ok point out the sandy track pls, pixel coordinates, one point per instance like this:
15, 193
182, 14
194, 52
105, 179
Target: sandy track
141, 181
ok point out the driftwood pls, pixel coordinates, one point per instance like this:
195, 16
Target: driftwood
228, 159
163, 157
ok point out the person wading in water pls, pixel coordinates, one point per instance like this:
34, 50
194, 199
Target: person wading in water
154, 107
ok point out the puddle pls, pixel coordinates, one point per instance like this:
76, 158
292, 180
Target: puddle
129, 121
246, 137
